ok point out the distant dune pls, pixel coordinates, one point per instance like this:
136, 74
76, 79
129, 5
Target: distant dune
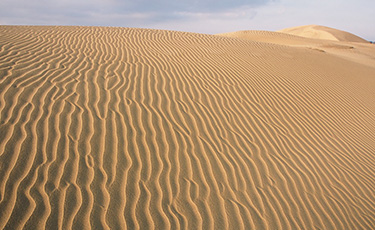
119, 128
323, 32
360, 52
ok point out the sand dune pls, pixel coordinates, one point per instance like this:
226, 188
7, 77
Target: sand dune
360, 52
117, 128
323, 32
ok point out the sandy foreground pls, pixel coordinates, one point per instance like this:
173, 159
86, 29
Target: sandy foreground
118, 128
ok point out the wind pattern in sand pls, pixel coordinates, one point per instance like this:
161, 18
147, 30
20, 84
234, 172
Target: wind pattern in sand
117, 128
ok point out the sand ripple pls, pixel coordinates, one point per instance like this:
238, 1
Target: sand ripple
116, 128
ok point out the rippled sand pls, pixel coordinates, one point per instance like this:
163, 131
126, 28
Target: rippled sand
118, 128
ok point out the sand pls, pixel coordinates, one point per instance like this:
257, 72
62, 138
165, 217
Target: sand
119, 128
323, 32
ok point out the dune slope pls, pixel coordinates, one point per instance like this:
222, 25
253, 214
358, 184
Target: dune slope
323, 32
116, 128
360, 52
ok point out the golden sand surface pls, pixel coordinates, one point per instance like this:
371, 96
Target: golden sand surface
323, 32
120, 128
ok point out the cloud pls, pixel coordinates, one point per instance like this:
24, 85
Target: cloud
208, 22
64, 12
205, 16
193, 5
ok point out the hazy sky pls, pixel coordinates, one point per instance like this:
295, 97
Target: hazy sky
202, 16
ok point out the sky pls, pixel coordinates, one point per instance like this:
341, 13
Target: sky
200, 16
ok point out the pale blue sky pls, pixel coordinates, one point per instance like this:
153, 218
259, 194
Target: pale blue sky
202, 16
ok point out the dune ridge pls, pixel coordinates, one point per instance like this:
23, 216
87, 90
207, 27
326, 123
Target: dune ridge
119, 128
360, 52
323, 32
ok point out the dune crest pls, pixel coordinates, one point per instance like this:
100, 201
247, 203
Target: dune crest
119, 128
323, 32
360, 52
